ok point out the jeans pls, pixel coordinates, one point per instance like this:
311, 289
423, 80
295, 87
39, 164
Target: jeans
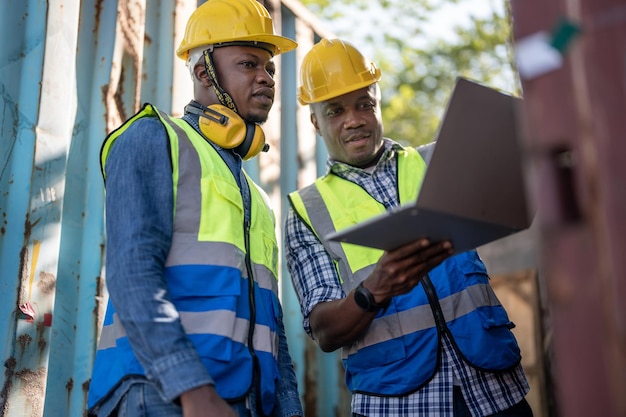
142, 400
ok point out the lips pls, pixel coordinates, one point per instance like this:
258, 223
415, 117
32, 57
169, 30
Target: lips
357, 137
265, 96
263, 99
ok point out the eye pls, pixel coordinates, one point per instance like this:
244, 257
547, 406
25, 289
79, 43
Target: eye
333, 112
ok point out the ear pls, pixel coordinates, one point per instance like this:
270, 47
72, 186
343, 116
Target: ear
314, 122
199, 72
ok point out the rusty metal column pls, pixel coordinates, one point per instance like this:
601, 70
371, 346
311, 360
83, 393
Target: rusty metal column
574, 122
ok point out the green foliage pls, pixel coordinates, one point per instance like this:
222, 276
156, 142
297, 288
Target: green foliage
418, 72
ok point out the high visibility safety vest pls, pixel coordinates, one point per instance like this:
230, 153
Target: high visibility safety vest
221, 274
399, 352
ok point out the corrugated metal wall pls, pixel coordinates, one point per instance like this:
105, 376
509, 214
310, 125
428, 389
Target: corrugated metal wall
51, 204
69, 73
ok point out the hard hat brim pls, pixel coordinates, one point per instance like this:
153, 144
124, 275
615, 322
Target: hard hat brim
304, 100
280, 44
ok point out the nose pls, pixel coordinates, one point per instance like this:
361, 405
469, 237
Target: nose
264, 77
353, 119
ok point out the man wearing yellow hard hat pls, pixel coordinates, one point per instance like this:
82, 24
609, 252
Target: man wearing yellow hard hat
194, 325
421, 331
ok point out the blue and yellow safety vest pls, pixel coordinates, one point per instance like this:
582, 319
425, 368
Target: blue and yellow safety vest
221, 275
399, 352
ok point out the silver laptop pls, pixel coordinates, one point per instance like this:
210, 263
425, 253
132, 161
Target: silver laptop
473, 192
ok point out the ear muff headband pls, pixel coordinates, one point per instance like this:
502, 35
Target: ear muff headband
228, 130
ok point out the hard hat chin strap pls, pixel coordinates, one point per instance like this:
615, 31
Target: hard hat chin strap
224, 98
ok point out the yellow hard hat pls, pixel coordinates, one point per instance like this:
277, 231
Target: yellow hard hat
332, 68
224, 21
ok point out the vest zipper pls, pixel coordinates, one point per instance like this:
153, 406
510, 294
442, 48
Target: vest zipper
256, 370
431, 294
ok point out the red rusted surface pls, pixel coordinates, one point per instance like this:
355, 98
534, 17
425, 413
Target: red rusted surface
574, 123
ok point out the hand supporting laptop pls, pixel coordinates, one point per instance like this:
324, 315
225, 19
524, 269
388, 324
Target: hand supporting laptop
400, 270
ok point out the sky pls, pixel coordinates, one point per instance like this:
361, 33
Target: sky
357, 26
455, 14
376, 21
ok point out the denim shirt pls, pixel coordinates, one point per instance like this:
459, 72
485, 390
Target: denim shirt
139, 225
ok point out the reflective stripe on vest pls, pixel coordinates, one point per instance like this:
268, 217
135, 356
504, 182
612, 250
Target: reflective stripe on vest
207, 268
215, 322
420, 318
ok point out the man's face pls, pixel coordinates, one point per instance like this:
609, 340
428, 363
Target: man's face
351, 126
246, 73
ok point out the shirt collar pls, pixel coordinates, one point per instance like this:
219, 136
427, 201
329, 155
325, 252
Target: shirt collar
390, 147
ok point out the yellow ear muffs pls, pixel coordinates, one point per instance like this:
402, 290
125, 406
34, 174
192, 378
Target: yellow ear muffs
228, 130
253, 143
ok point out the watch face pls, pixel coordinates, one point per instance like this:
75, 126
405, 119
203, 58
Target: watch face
361, 298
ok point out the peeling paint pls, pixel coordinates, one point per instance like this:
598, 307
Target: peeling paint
28, 312
24, 340
85, 387
33, 387
23, 271
69, 385
41, 338
47, 282
98, 6
9, 371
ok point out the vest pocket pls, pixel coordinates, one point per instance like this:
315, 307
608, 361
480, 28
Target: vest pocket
383, 344
203, 281
481, 294
358, 212
377, 355
269, 253
221, 200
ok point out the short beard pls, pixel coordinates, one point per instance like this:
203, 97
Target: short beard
251, 118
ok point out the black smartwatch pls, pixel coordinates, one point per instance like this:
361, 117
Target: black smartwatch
364, 299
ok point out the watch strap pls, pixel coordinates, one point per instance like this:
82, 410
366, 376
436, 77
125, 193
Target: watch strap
365, 299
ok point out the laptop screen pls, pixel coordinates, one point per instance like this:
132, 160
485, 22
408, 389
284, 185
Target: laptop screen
475, 170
